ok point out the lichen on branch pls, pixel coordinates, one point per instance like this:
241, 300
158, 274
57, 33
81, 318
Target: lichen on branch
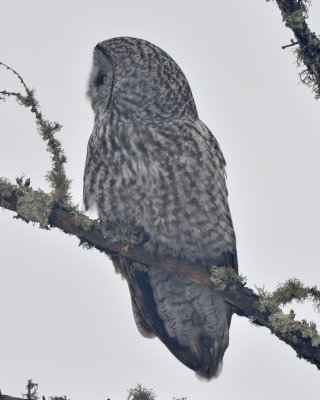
56, 177
221, 277
35, 206
295, 14
292, 289
6, 188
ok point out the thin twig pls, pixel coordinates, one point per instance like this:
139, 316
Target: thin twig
293, 43
18, 75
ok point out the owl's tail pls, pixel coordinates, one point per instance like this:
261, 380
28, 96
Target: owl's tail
188, 318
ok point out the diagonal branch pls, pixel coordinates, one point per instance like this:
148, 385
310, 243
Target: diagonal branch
294, 14
242, 299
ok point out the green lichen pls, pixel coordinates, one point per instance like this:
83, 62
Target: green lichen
56, 177
308, 50
307, 75
141, 393
32, 391
128, 235
286, 324
35, 206
305, 5
296, 20
221, 277
292, 289
6, 189
83, 221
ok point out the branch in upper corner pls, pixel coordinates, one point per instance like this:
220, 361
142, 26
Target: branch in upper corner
301, 336
294, 14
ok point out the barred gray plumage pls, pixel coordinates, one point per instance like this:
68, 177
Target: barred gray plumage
153, 164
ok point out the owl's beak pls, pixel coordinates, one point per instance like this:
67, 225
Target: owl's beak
92, 105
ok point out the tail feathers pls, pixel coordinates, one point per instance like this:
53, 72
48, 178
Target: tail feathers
188, 318
212, 357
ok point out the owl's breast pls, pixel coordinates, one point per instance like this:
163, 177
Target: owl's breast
167, 179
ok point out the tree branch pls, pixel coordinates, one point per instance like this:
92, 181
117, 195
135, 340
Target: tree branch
294, 14
242, 299
56, 177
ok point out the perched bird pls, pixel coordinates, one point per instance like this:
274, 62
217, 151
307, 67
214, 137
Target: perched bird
153, 164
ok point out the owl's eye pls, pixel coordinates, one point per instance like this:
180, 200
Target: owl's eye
100, 79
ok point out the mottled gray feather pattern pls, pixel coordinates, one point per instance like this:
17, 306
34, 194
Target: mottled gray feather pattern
152, 163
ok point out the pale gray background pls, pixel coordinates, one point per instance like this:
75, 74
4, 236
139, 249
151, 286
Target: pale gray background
65, 316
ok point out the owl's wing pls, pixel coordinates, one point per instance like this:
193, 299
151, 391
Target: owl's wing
228, 259
125, 267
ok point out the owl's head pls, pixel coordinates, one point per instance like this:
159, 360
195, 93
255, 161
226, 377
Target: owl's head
135, 80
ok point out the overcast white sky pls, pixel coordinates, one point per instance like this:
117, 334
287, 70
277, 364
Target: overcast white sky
65, 317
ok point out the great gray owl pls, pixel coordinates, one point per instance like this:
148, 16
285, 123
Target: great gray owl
153, 164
